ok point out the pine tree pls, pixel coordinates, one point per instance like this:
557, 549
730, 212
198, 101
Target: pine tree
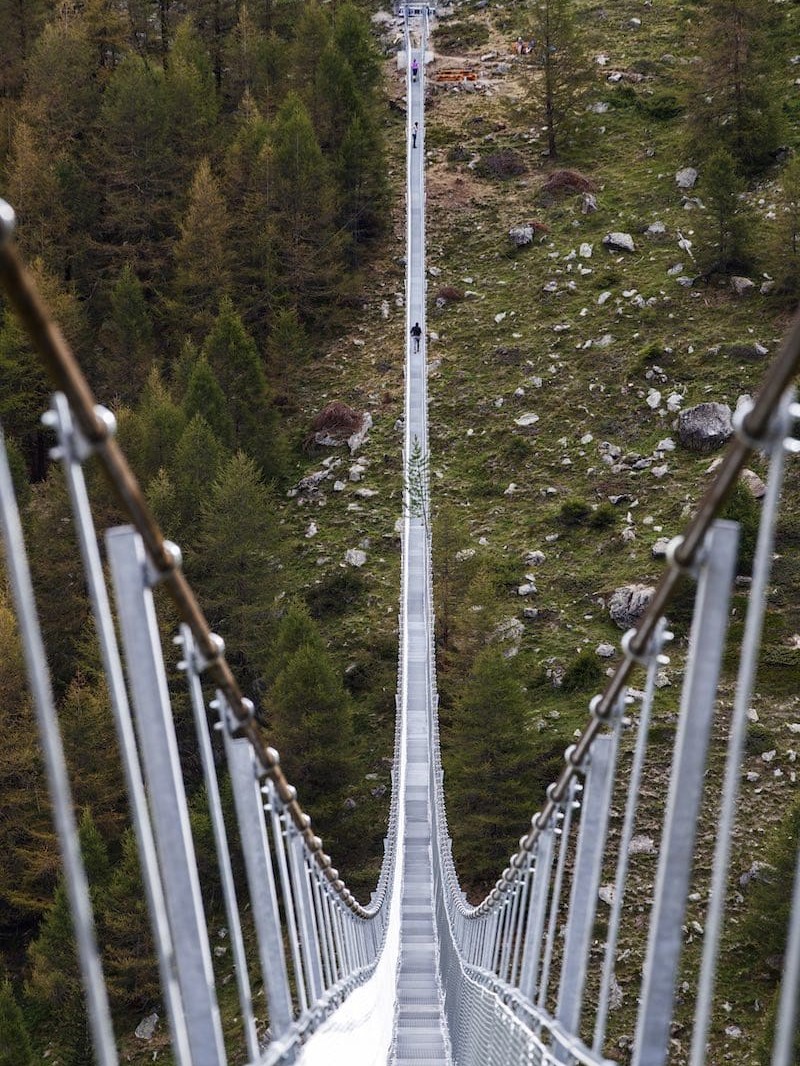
727, 224
232, 355
127, 337
202, 253
310, 250
236, 562
559, 87
353, 38
134, 162
204, 397
54, 986
311, 34
311, 717
15, 1043
215, 19
487, 761
741, 89
333, 98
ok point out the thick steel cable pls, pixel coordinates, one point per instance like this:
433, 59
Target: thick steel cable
66, 375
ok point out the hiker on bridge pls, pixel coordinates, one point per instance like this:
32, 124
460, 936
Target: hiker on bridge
414, 133
416, 333
414, 69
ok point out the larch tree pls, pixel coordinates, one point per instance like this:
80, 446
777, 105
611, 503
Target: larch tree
20, 25
29, 868
197, 461
191, 102
128, 951
740, 88
150, 434
203, 254
361, 173
215, 19
559, 86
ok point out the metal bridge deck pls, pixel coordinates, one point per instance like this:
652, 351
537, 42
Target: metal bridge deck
420, 1028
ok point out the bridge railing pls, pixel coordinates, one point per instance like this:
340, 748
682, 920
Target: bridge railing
538, 967
315, 942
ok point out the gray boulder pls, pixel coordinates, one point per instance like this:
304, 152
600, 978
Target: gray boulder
628, 603
619, 242
520, 236
742, 286
686, 178
146, 1028
705, 427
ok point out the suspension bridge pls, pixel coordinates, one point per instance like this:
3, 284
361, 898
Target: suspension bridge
416, 975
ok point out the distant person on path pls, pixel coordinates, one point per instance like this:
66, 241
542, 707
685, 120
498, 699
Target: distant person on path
414, 69
416, 333
414, 133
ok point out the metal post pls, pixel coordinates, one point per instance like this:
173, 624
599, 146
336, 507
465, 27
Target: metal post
527, 881
260, 879
585, 882
193, 665
71, 447
574, 788
57, 777
148, 683
537, 912
274, 808
685, 791
309, 945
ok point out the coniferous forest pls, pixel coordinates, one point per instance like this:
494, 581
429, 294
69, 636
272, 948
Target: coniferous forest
209, 196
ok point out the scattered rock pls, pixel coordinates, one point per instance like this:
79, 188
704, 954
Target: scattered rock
686, 178
311, 531
705, 427
520, 236
355, 557
641, 845
146, 1028
753, 482
605, 651
528, 419
742, 286
653, 399
607, 894
628, 603
667, 444
619, 242
527, 589
659, 549
589, 203
656, 228
759, 871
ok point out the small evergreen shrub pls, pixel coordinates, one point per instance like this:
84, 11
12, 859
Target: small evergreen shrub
574, 513
582, 674
604, 517
662, 105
